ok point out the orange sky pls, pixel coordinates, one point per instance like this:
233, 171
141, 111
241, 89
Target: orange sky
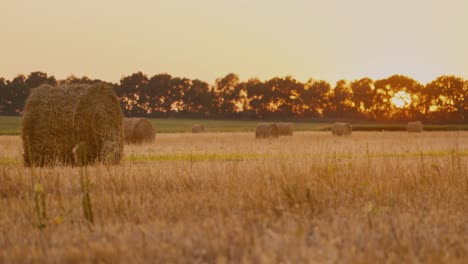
206, 39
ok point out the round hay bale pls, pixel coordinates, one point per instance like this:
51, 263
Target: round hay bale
341, 129
285, 129
138, 130
266, 130
197, 128
415, 127
72, 125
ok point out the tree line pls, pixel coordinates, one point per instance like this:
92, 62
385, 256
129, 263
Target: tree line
444, 100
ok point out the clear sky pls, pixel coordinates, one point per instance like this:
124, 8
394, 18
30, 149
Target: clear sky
206, 39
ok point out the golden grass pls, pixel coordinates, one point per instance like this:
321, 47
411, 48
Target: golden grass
226, 197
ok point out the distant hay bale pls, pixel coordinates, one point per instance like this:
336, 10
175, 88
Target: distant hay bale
197, 128
341, 129
72, 125
266, 130
415, 127
285, 129
138, 131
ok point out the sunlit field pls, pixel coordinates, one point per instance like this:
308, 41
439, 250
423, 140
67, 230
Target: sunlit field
226, 197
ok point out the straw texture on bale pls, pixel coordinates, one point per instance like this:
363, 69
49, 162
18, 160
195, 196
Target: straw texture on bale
415, 127
197, 128
138, 130
72, 125
341, 129
266, 130
285, 129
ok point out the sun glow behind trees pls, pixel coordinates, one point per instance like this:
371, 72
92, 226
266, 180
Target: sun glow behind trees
401, 99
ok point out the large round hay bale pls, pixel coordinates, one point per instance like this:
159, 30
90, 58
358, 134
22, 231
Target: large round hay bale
138, 130
285, 129
197, 128
341, 129
72, 125
266, 130
414, 127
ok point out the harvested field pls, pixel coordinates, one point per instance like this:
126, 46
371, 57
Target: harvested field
214, 197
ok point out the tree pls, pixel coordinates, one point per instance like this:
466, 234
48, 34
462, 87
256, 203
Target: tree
386, 90
4, 97
445, 98
228, 95
364, 97
198, 98
259, 97
17, 93
130, 91
315, 97
159, 95
340, 104
36, 79
175, 94
285, 98
72, 79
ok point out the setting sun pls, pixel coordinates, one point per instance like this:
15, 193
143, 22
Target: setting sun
401, 99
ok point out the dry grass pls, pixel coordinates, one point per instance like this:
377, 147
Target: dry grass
381, 197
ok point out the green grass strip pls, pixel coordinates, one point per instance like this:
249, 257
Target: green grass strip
8, 161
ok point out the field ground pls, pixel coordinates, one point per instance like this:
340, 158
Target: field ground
10, 125
373, 197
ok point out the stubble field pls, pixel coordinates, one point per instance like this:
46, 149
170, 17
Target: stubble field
226, 197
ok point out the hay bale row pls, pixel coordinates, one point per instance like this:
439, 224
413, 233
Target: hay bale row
72, 124
341, 129
267, 130
285, 129
197, 128
414, 127
138, 131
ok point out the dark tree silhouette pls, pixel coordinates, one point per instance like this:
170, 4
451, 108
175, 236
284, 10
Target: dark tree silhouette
446, 98
442, 100
36, 79
198, 99
228, 94
259, 97
5, 98
72, 79
315, 97
285, 100
340, 104
130, 90
365, 97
